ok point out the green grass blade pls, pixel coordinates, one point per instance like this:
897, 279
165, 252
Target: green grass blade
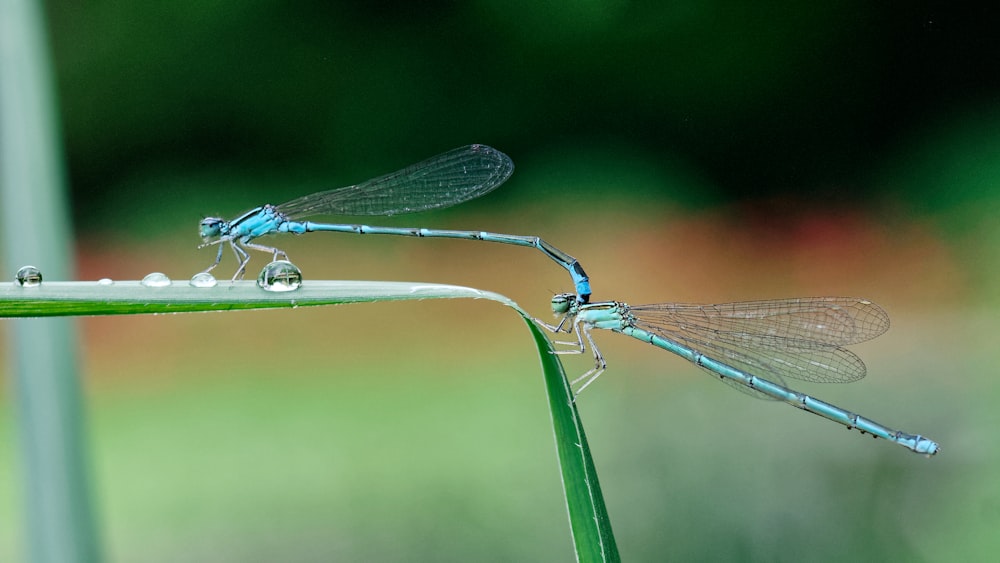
131, 297
588, 516
589, 522
59, 522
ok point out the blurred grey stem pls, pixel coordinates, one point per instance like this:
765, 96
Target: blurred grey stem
59, 520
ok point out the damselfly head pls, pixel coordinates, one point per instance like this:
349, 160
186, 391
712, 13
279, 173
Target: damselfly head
561, 302
211, 227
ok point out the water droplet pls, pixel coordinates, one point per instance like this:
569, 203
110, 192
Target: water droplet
156, 279
280, 275
28, 276
204, 279
105, 281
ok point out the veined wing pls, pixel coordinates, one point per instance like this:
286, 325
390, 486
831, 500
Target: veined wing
442, 181
794, 338
798, 322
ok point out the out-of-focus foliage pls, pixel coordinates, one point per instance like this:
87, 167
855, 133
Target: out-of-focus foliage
782, 98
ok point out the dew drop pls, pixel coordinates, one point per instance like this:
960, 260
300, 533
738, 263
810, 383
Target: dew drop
28, 276
105, 281
280, 275
204, 279
156, 279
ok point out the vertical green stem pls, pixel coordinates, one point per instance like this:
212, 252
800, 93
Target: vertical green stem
59, 523
588, 516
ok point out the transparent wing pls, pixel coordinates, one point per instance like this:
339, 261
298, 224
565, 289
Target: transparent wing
796, 322
747, 363
800, 338
442, 181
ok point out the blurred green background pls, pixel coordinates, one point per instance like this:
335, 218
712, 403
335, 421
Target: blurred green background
691, 151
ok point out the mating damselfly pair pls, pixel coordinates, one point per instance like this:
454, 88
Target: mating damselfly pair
752, 346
